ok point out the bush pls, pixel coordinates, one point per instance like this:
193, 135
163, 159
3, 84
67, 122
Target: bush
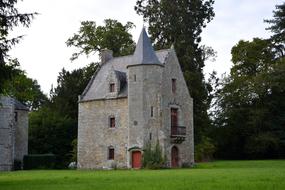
205, 150
152, 158
39, 161
17, 165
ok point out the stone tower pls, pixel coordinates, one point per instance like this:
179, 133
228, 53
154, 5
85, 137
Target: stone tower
13, 132
144, 94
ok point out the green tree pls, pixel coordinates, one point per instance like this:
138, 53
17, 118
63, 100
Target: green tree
53, 128
250, 104
24, 89
49, 132
92, 39
180, 22
9, 18
278, 28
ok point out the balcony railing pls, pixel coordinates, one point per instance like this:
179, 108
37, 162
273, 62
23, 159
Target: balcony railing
178, 131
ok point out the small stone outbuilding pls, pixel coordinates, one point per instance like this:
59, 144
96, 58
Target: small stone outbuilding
13, 132
134, 100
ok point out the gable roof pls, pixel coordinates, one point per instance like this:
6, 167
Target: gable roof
97, 84
9, 101
20, 105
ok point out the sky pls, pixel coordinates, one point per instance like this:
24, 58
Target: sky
43, 52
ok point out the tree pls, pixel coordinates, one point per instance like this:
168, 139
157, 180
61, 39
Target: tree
180, 22
278, 28
26, 90
9, 18
92, 39
53, 128
49, 132
254, 94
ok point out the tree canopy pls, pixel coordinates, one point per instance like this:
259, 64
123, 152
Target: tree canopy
24, 89
10, 18
277, 27
250, 104
92, 38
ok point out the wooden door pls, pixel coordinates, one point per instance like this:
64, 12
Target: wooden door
174, 157
136, 159
174, 121
174, 117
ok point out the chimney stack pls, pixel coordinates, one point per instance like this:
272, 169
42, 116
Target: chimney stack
106, 55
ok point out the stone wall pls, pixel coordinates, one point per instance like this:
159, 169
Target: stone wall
21, 135
6, 133
144, 97
95, 135
184, 103
13, 133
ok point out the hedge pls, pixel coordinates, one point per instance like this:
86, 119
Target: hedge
39, 161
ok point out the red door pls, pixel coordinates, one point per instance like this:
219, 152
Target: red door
174, 157
136, 159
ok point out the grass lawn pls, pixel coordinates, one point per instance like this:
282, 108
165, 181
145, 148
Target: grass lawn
218, 175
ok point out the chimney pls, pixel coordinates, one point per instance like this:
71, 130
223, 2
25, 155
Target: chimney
106, 55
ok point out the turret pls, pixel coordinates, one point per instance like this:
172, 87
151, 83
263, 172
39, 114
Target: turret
144, 93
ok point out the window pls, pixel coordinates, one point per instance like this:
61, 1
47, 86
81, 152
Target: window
112, 87
174, 117
173, 85
150, 136
112, 122
135, 77
111, 153
16, 116
151, 111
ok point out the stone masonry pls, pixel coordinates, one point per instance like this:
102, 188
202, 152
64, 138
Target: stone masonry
133, 100
13, 132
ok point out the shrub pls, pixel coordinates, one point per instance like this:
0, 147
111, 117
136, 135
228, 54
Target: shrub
152, 158
17, 165
39, 161
205, 150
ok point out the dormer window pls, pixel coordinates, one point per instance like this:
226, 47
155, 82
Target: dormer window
112, 87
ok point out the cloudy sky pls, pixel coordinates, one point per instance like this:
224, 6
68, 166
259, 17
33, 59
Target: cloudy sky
43, 53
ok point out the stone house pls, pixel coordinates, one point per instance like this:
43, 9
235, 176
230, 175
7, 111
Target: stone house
13, 132
133, 100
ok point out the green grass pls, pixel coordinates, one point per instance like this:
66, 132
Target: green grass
218, 175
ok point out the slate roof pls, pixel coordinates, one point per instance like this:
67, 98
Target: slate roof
94, 89
9, 101
19, 105
144, 53
122, 76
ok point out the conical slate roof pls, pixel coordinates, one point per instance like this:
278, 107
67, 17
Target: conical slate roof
144, 53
